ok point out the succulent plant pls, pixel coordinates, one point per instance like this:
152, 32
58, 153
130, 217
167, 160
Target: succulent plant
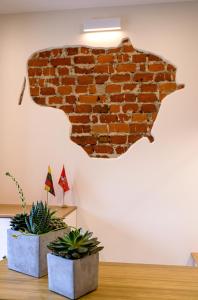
75, 245
57, 223
21, 194
39, 219
18, 222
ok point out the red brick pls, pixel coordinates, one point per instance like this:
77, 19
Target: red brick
171, 68
70, 99
88, 149
33, 81
150, 97
130, 107
54, 81
48, 91
92, 89
98, 51
94, 118
120, 127
118, 139
72, 51
134, 138
115, 108
129, 86
85, 79
167, 88
114, 50
138, 127
83, 108
124, 118
79, 119
101, 109
88, 98
98, 129
49, 71
81, 89
68, 80
84, 140
108, 118
67, 108
149, 87
101, 69
44, 54
104, 139
123, 97
137, 117
126, 68
84, 59
138, 58
143, 77
101, 79
121, 150
123, 58
79, 70
113, 88
63, 71
152, 57
81, 128
40, 100
103, 149
156, 67
105, 59
84, 50
55, 100
34, 91
148, 108
120, 77
60, 61
41, 82
65, 90
128, 48
34, 72
56, 52
38, 62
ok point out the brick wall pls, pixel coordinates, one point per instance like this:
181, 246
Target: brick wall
111, 96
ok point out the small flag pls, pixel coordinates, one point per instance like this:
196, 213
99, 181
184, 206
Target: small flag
63, 181
49, 183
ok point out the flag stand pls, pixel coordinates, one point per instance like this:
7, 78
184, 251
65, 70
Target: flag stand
63, 205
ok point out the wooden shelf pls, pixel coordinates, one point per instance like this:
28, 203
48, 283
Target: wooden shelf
10, 210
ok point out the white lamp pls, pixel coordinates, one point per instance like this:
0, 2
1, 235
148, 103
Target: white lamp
102, 25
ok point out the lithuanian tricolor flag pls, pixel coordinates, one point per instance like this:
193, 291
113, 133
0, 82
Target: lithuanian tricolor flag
49, 187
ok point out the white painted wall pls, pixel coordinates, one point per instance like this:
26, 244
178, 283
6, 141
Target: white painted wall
143, 206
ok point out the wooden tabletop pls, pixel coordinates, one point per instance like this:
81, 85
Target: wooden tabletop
116, 282
9, 210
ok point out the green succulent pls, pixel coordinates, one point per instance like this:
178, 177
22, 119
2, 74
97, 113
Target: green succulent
18, 222
57, 223
75, 245
39, 219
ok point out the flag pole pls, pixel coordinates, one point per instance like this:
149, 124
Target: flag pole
47, 197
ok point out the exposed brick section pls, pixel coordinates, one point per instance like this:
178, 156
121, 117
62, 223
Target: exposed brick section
112, 96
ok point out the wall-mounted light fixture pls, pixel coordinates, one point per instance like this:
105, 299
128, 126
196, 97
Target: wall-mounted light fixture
102, 25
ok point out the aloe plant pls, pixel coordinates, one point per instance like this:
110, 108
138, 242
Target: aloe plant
75, 245
39, 219
18, 222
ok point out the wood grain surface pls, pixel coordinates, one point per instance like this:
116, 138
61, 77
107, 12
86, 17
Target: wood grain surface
9, 210
116, 282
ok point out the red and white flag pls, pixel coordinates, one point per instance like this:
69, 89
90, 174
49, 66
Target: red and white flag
63, 181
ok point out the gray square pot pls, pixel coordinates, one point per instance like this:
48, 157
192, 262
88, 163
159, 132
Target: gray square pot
72, 278
27, 253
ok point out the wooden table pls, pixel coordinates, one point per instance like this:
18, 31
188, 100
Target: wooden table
10, 210
116, 282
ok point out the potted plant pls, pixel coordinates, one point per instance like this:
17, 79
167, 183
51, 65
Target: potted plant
29, 235
73, 264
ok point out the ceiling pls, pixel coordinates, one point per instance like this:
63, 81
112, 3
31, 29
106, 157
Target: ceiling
23, 6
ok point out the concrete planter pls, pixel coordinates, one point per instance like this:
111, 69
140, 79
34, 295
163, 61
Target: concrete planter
27, 253
72, 278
